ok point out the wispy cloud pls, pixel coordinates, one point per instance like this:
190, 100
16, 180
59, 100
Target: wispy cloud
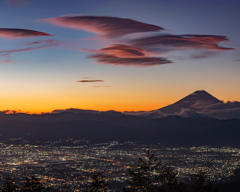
203, 55
237, 60
41, 43
52, 42
9, 61
87, 78
30, 47
12, 33
108, 26
90, 81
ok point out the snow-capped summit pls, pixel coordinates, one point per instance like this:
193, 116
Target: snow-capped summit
196, 100
197, 104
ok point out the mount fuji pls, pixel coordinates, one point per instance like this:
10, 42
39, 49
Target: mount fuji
197, 104
197, 100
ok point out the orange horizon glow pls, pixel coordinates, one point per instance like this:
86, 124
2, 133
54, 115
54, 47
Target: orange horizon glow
105, 101
102, 109
45, 107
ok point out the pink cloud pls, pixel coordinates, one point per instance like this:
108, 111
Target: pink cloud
165, 43
138, 51
137, 61
90, 81
125, 55
103, 25
7, 61
20, 33
121, 50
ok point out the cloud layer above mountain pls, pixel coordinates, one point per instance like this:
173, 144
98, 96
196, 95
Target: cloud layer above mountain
141, 51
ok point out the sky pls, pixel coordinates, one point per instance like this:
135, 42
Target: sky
135, 55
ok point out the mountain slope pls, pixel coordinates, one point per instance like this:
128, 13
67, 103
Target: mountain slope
193, 101
199, 104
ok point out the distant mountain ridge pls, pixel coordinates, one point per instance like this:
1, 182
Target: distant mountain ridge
199, 104
169, 131
197, 119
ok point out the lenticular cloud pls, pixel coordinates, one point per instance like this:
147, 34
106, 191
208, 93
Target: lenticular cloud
90, 81
168, 42
108, 26
139, 51
12, 33
121, 50
137, 61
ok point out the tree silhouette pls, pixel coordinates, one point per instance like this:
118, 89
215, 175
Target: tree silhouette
144, 177
33, 184
149, 175
202, 183
9, 186
169, 182
98, 184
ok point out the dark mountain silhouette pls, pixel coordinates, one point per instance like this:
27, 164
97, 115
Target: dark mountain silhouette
169, 131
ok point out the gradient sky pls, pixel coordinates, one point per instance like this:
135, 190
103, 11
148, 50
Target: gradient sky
116, 54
